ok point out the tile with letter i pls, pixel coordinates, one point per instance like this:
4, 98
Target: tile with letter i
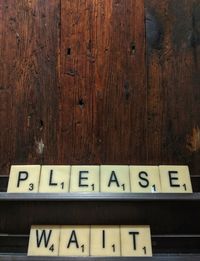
114, 178
175, 179
84, 179
105, 241
24, 178
145, 179
74, 241
136, 241
54, 179
44, 241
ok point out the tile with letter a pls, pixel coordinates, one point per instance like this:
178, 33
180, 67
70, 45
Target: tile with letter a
74, 241
136, 241
44, 241
105, 241
24, 178
175, 179
114, 178
145, 179
54, 179
84, 179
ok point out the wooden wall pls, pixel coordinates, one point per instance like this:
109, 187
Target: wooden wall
100, 82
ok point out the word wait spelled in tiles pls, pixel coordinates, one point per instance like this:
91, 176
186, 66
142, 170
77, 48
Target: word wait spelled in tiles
90, 241
103, 178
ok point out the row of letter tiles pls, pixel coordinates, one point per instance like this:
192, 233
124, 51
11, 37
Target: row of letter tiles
90, 241
104, 178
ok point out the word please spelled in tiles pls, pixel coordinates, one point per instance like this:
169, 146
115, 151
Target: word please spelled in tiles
103, 178
90, 241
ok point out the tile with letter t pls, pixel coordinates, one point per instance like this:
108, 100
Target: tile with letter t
114, 178
105, 241
84, 178
24, 178
74, 241
54, 179
44, 241
175, 179
136, 241
145, 179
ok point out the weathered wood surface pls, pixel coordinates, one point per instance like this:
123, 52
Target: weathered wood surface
173, 82
78, 84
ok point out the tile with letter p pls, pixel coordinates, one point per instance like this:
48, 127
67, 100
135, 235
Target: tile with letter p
105, 241
74, 241
54, 178
175, 179
24, 178
136, 241
145, 179
44, 241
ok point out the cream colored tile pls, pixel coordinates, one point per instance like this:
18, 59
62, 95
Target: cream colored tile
136, 241
114, 178
54, 178
74, 241
84, 179
175, 179
145, 179
24, 178
44, 241
105, 241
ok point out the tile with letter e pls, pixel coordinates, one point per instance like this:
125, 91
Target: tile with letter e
145, 179
136, 241
24, 178
84, 179
74, 241
44, 241
54, 179
175, 179
114, 178
105, 241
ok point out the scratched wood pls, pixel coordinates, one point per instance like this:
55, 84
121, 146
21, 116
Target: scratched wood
103, 82
29, 93
173, 83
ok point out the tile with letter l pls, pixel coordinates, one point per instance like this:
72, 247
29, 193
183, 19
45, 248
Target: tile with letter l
114, 178
44, 241
105, 241
175, 179
24, 178
84, 178
74, 241
136, 241
54, 178
145, 179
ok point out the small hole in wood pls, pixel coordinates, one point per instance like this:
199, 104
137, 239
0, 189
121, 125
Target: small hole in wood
132, 48
68, 51
81, 102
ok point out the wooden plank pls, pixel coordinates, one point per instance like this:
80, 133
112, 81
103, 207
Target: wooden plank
103, 82
173, 45
29, 93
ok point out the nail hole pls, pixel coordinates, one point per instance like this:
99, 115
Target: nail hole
132, 49
41, 125
68, 51
81, 102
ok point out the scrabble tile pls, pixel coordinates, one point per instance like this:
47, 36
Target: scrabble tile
136, 241
175, 179
105, 241
74, 241
145, 179
44, 241
114, 178
54, 179
84, 179
24, 178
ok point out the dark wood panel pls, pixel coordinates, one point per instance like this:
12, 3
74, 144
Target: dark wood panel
173, 45
29, 84
103, 82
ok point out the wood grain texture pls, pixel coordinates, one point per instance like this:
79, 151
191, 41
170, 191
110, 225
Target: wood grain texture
173, 82
29, 93
103, 82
